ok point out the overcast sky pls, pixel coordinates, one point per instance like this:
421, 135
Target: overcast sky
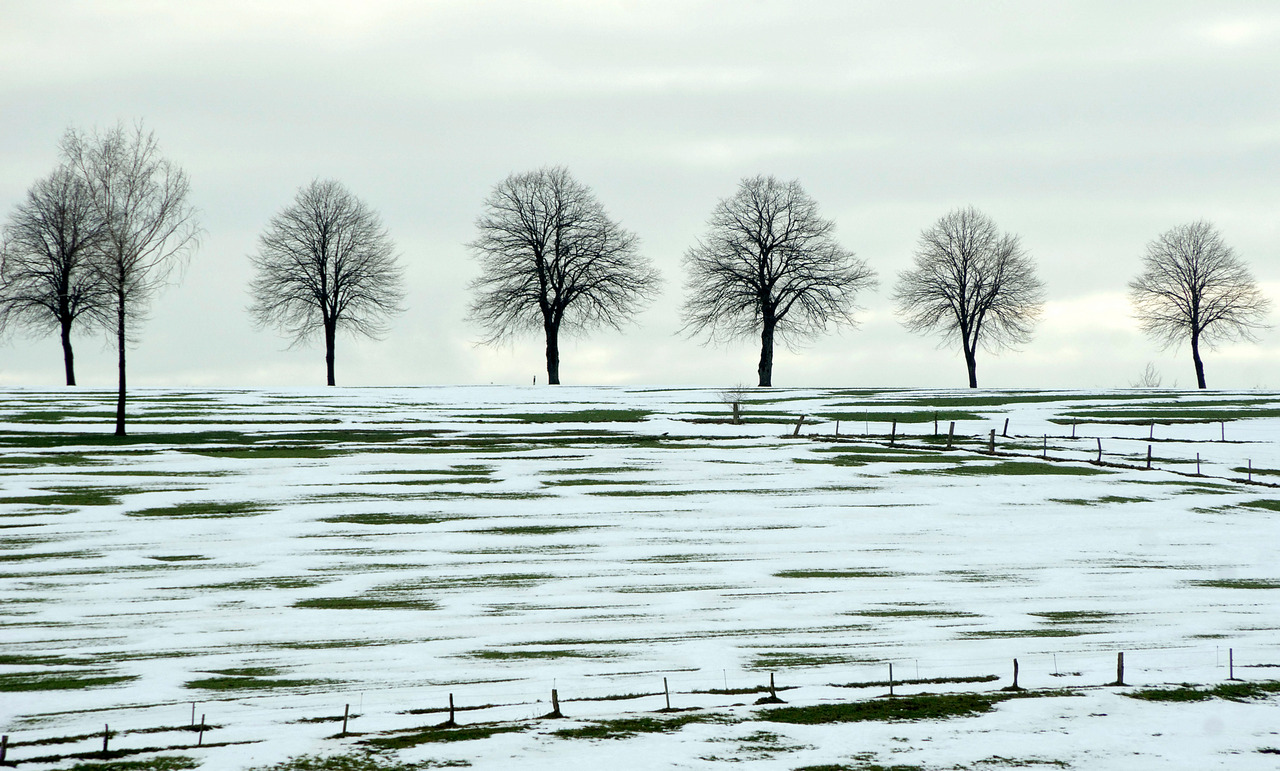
1087, 128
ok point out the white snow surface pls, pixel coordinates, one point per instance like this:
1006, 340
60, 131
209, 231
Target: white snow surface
385, 548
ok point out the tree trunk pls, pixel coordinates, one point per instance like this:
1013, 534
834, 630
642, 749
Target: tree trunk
766, 354
68, 358
553, 353
330, 334
1195, 356
121, 339
971, 364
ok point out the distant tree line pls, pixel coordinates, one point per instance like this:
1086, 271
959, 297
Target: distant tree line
93, 242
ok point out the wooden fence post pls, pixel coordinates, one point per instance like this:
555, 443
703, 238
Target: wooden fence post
4, 746
1119, 669
346, 713
950, 433
106, 734
1197, 464
799, 423
773, 691
1099, 449
1148, 457
555, 704
991, 442
452, 720
200, 736
1005, 432
666, 692
1015, 675
891, 678
1231, 663
893, 433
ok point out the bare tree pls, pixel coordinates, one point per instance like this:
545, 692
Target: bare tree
326, 264
46, 281
1194, 287
770, 265
552, 259
149, 228
970, 281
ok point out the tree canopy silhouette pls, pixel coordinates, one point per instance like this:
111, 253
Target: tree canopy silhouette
325, 264
1193, 287
552, 259
769, 265
973, 282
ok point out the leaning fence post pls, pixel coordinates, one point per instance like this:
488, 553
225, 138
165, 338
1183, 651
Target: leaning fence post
666, 692
200, 736
950, 433
1005, 432
346, 713
1099, 449
106, 734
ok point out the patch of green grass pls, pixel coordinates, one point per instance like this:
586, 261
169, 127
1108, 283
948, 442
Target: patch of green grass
920, 707
624, 728
204, 510
1010, 634
793, 660
50, 459
835, 573
903, 418
1227, 691
268, 452
573, 416
179, 557
921, 681
48, 555
382, 518
1239, 583
911, 613
58, 681
589, 481
248, 683
534, 529
73, 496
274, 582
1075, 616
369, 602
162, 763
561, 653
364, 761
436, 735
1267, 504
1012, 468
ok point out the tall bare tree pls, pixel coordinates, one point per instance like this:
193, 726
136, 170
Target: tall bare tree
326, 264
149, 228
46, 280
970, 281
1193, 287
770, 265
552, 259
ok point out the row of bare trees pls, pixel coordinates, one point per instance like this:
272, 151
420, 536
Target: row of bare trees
93, 242
769, 267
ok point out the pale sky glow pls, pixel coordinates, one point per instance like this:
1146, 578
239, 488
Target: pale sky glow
1087, 128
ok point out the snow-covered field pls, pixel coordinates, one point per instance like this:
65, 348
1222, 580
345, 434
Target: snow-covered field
267, 559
